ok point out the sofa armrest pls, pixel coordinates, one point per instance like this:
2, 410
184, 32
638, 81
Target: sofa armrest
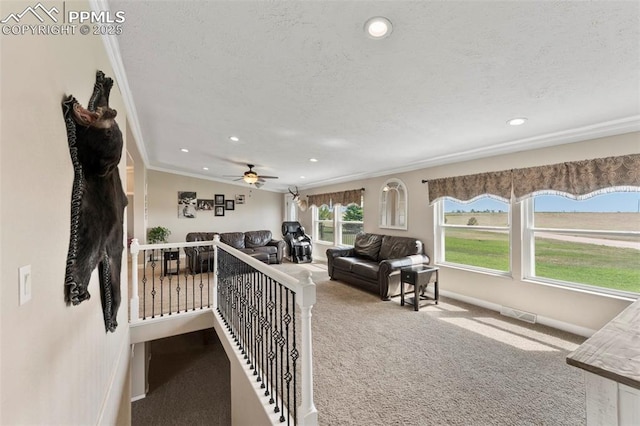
389, 266
332, 253
280, 245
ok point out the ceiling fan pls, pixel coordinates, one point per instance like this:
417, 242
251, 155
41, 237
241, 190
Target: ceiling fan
252, 178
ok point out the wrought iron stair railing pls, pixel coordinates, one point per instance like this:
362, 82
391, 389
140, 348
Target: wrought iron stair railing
267, 314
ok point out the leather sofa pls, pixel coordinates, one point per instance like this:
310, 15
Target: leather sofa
259, 244
374, 262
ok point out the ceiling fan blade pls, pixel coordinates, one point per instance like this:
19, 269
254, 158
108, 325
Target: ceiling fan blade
268, 177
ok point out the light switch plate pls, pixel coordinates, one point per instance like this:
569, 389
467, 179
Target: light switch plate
25, 284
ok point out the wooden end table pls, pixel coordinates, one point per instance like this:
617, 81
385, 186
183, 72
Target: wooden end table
170, 255
418, 276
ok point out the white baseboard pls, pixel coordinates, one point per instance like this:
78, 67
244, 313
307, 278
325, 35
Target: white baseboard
550, 322
139, 397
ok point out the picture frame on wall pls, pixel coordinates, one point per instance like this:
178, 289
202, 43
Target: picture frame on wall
219, 200
186, 211
187, 197
229, 205
219, 211
240, 199
204, 204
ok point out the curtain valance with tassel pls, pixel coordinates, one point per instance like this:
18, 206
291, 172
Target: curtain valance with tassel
579, 178
575, 179
342, 197
465, 188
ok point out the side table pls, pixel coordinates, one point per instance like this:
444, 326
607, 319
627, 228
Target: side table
418, 276
170, 255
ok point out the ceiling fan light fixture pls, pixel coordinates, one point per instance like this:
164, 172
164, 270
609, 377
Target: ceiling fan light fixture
250, 178
378, 27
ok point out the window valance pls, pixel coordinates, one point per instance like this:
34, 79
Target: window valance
465, 188
352, 196
574, 179
579, 178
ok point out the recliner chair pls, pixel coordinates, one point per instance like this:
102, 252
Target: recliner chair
299, 243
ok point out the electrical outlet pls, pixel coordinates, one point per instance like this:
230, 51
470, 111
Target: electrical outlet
25, 284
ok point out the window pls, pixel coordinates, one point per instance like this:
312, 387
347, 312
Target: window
350, 223
585, 244
475, 234
346, 220
323, 224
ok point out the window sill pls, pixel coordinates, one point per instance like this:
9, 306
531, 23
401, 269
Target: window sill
611, 294
491, 272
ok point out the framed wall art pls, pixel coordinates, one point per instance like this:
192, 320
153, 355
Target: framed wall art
186, 211
186, 197
219, 211
205, 204
240, 199
219, 200
229, 205
187, 204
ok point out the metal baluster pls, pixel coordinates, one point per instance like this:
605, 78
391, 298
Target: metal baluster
254, 323
144, 287
271, 353
294, 359
280, 342
287, 374
153, 285
178, 289
162, 274
193, 290
263, 328
202, 286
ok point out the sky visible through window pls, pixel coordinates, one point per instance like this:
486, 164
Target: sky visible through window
628, 202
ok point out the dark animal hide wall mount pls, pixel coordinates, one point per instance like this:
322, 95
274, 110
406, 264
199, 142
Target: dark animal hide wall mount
97, 200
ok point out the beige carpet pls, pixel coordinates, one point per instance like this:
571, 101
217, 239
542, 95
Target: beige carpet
189, 383
378, 363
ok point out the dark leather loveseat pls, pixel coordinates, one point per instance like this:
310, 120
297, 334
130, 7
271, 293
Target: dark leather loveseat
259, 244
374, 262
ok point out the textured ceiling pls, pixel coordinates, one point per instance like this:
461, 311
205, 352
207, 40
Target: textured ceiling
295, 80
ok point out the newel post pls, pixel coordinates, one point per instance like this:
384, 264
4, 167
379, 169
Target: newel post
307, 412
216, 241
134, 305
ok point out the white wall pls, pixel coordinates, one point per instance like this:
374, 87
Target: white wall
262, 209
569, 306
59, 366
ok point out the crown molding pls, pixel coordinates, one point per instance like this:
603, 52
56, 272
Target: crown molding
594, 131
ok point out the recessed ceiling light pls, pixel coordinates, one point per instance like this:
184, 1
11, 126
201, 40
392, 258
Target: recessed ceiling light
234, 138
313, 160
205, 168
184, 150
518, 121
378, 27
302, 177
